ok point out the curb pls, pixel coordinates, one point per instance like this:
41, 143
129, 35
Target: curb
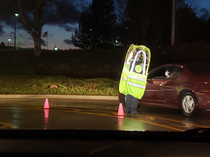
35, 96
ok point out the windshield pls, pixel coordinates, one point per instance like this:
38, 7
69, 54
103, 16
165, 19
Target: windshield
62, 64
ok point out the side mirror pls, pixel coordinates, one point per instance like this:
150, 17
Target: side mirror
150, 81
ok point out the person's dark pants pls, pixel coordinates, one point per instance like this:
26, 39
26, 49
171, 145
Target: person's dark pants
131, 103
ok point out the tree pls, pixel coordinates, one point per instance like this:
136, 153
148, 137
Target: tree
96, 26
84, 37
123, 23
33, 15
147, 22
30, 16
186, 25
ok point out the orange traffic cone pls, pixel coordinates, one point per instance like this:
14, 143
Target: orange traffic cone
46, 104
120, 110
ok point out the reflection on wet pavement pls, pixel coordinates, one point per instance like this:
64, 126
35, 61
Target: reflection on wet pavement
92, 115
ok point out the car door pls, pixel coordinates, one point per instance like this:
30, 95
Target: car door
155, 88
170, 87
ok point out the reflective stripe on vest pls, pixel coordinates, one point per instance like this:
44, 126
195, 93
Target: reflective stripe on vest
137, 78
136, 85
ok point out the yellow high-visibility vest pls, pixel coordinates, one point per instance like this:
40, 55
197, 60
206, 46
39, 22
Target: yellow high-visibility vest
134, 74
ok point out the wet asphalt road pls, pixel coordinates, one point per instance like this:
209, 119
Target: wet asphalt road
92, 115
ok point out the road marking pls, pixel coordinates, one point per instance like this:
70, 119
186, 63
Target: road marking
114, 115
7, 125
165, 126
76, 110
172, 120
144, 121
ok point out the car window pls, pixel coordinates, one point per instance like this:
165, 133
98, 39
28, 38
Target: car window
176, 72
160, 73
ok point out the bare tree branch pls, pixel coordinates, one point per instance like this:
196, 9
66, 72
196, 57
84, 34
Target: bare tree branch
28, 28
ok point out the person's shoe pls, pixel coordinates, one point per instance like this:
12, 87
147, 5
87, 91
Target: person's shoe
135, 112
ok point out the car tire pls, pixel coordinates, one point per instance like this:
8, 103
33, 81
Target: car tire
189, 104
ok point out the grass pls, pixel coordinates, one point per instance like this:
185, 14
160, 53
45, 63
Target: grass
40, 84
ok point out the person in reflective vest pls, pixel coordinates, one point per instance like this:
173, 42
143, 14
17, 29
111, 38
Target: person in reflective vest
134, 76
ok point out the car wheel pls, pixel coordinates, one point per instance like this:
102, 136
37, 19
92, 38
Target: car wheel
189, 104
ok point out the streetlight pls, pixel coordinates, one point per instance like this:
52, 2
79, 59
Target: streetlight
16, 15
9, 41
55, 48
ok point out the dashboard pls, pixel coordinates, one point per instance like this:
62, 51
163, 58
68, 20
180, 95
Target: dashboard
103, 143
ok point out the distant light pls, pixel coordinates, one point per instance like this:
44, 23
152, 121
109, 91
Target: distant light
90, 29
9, 41
56, 49
116, 41
16, 15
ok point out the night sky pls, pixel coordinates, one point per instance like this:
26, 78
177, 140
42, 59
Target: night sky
59, 33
